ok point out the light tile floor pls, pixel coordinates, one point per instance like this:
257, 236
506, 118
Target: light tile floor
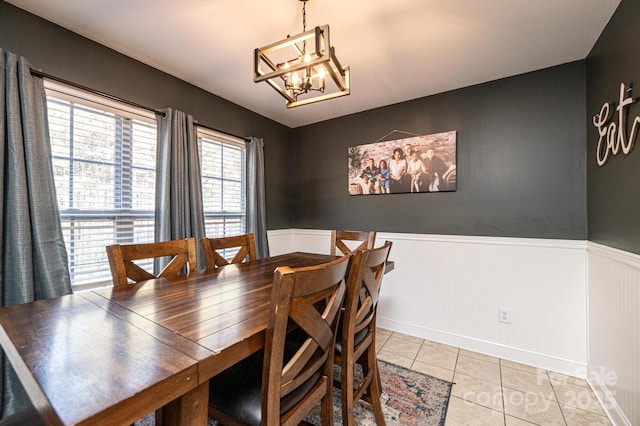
494, 391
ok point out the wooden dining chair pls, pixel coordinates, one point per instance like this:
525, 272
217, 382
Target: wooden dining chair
356, 341
211, 248
122, 257
338, 239
281, 384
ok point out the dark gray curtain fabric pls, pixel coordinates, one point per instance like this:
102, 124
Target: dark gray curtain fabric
179, 210
33, 256
256, 205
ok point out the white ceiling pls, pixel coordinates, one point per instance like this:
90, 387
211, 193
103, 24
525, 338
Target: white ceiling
397, 50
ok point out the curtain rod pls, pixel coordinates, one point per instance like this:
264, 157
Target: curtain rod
41, 74
38, 73
220, 131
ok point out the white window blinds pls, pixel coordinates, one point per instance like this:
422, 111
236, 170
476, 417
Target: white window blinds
104, 155
104, 164
222, 161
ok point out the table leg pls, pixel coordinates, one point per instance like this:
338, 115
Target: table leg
189, 409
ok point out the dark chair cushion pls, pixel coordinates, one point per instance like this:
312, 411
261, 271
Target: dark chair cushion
237, 391
357, 339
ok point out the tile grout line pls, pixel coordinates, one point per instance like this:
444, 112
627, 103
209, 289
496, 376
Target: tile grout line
425, 342
553, 389
504, 408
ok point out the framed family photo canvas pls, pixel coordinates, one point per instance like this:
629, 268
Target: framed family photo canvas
415, 164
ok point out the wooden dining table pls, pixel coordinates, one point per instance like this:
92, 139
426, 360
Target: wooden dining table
113, 355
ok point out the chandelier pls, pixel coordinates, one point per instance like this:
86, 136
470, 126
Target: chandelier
303, 68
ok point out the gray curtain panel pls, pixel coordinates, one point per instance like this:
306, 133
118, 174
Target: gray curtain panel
256, 205
179, 211
33, 256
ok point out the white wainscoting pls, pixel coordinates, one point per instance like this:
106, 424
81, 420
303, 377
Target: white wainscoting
450, 288
614, 331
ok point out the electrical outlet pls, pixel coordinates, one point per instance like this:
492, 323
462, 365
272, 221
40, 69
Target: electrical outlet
504, 315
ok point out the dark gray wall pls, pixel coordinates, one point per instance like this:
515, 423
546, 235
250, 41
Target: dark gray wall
521, 150
67, 55
614, 189
521, 162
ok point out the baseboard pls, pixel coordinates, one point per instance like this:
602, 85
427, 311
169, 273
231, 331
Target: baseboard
606, 399
575, 368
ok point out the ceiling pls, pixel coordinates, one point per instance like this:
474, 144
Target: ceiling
397, 50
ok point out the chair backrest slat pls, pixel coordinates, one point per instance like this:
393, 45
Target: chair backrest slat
211, 246
340, 248
123, 269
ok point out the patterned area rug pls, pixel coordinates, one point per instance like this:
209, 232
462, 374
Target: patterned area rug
409, 398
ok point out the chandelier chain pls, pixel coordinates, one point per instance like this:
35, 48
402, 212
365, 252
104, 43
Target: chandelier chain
304, 23
304, 15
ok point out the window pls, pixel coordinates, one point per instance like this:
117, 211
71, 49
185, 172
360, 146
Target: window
104, 164
222, 164
104, 156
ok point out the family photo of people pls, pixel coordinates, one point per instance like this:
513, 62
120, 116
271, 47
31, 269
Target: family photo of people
425, 163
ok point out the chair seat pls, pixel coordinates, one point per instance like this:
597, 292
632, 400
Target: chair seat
357, 338
237, 391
